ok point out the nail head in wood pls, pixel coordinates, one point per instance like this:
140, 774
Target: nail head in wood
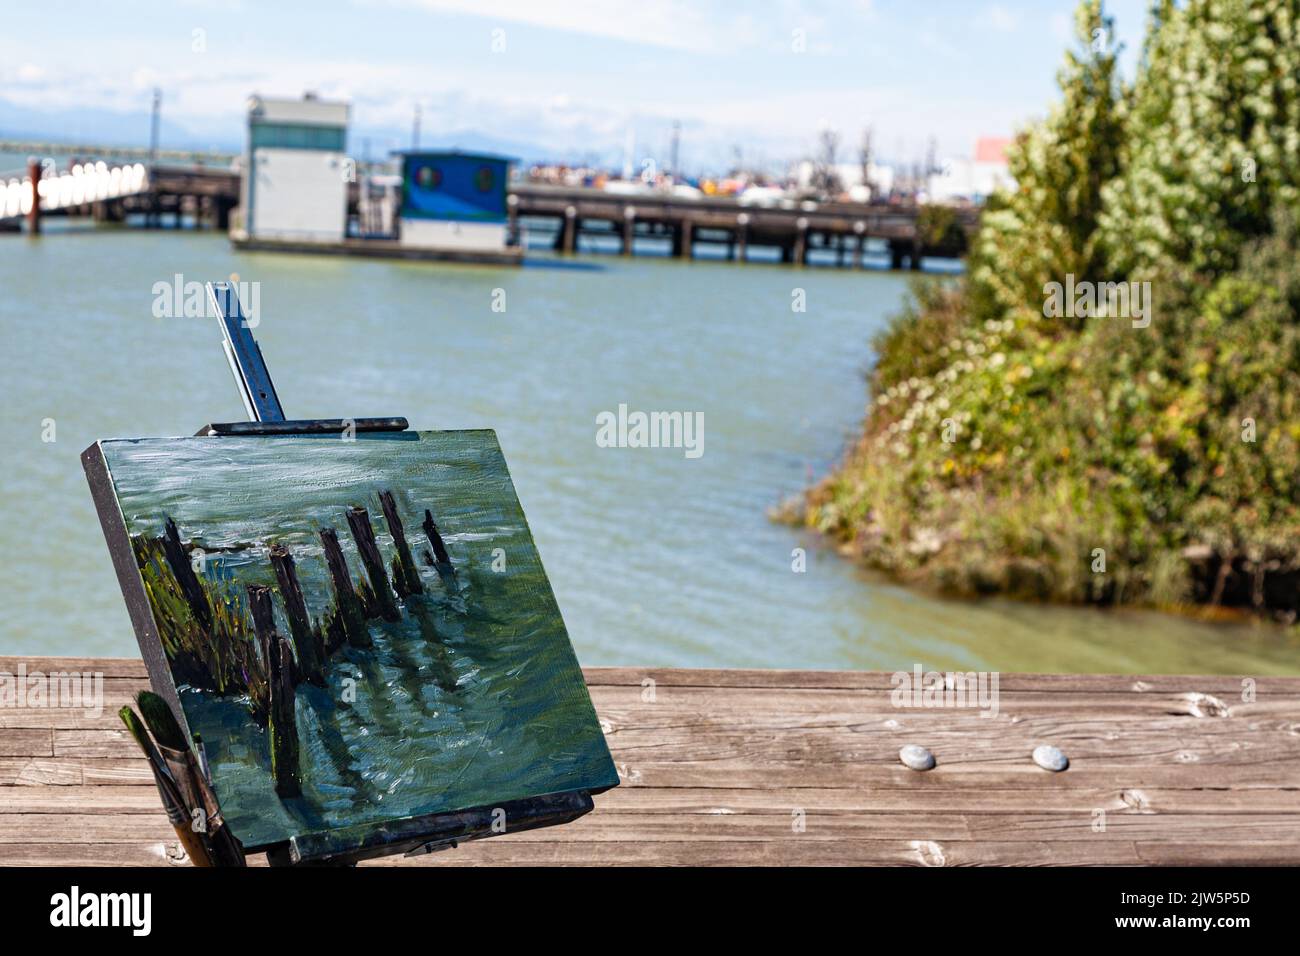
916, 757
1050, 758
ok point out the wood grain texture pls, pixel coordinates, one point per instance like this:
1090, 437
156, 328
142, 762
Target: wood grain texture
787, 768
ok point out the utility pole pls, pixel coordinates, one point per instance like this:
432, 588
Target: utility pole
152, 216
677, 141
865, 156
153, 125
629, 154
415, 129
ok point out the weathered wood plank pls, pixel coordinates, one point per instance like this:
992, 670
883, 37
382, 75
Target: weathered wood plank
144, 853
73, 771
504, 851
858, 853
108, 666
613, 826
714, 801
796, 777
1212, 753
718, 767
800, 774
1231, 686
26, 742
1010, 703
93, 743
119, 797
811, 709
755, 678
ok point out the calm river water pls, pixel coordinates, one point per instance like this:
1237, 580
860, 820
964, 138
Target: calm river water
655, 558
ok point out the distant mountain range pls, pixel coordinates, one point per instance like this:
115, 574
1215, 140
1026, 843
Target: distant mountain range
116, 128
106, 127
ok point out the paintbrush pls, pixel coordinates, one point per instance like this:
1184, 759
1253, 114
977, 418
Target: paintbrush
171, 798
203, 757
191, 782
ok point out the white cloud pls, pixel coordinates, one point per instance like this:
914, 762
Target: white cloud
1061, 27
566, 106
663, 23
1001, 19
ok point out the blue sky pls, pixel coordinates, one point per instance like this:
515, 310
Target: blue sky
571, 77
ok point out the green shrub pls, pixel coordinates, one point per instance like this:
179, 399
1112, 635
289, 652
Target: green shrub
1006, 451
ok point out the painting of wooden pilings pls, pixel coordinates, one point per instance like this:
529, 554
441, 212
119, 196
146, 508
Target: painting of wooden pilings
334, 624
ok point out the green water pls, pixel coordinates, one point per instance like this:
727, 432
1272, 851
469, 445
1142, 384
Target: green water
655, 558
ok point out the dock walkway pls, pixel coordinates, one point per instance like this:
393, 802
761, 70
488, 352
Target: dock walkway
209, 195
787, 768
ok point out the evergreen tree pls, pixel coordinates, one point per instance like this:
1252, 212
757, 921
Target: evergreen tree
1047, 226
1001, 449
1214, 144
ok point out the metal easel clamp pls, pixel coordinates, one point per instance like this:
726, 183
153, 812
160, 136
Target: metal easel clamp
253, 379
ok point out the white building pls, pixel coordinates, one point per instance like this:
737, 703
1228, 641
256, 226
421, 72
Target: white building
295, 184
879, 181
972, 180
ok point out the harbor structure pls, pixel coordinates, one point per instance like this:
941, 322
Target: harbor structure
648, 221
973, 180
454, 201
296, 171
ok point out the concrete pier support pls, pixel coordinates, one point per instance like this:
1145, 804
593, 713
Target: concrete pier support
629, 229
684, 241
34, 214
566, 237
108, 210
512, 219
896, 254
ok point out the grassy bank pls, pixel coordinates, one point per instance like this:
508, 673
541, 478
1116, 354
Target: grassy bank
1150, 456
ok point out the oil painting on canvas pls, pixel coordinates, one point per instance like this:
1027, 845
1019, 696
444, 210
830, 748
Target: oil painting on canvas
360, 631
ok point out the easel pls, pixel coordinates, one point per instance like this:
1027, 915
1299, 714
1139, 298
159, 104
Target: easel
413, 836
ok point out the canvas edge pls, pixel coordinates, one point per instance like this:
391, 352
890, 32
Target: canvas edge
113, 524
368, 842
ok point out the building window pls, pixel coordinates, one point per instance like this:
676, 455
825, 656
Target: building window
297, 136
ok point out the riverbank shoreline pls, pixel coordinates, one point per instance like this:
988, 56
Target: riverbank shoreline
794, 512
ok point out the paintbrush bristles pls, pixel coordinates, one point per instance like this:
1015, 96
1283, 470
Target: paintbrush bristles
160, 720
137, 730
162, 776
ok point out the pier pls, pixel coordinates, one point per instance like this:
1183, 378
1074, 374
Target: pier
111, 192
795, 230
206, 196
766, 767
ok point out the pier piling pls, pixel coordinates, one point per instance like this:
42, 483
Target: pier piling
364, 536
629, 229
347, 605
34, 214
282, 722
304, 637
